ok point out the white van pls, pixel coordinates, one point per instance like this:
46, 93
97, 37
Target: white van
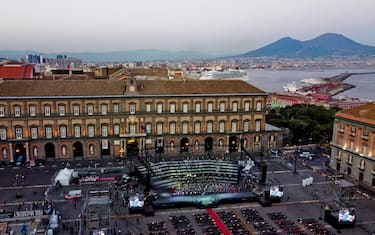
74, 194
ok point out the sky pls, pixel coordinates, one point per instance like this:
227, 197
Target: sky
217, 27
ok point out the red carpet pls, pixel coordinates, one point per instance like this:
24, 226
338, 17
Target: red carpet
218, 222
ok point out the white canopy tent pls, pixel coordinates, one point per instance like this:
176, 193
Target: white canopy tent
63, 177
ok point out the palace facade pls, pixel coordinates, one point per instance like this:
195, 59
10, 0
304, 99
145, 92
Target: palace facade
90, 119
353, 144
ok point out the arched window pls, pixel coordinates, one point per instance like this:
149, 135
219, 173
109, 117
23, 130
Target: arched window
196, 145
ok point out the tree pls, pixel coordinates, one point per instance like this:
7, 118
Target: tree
305, 122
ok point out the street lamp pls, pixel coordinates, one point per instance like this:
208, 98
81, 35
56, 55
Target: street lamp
296, 152
241, 146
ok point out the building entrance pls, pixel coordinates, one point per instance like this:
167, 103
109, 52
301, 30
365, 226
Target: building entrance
49, 149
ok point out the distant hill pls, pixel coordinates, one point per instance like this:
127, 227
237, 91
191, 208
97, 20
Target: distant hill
114, 56
325, 45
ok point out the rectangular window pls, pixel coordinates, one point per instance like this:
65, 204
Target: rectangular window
32, 110
132, 108
75, 110
341, 127
116, 129
257, 125
132, 128
234, 126
246, 126
256, 138
160, 108
90, 109
234, 106
77, 131
172, 128
61, 110
148, 128
185, 107
48, 132
197, 128
209, 127
3, 134
351, 145
222, 127
364, 149
210, 107
47, 110
198, 107
350, 159
17, 111
2, 111
159, 129
222, 107
247, 106
259, 106
104, 130
148, 108
104, 109
115, 108
339, 154
172, 108
19, 134
63, 131
185, 127
272, 138
34, 133
90, 131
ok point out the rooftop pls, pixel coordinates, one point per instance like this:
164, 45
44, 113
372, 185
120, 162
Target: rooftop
14, 71
38, 88
364, 113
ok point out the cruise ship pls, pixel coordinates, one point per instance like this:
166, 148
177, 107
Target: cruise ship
217, 75
312, 81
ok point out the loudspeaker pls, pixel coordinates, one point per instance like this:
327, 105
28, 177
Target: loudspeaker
148, 182
264, 174
267, 195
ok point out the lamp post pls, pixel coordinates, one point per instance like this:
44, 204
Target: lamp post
241, 146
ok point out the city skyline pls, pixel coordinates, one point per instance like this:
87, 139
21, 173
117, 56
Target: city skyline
214, 27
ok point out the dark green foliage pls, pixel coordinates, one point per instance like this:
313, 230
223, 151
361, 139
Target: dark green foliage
308, 123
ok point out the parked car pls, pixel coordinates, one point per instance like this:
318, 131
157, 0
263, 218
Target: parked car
40, 162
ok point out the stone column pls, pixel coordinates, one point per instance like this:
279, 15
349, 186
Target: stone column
11, 157
27, 152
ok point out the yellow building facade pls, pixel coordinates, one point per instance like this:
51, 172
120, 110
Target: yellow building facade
106, 118
353, 144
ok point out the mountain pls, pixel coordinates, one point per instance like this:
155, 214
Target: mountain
114, 56
325, 45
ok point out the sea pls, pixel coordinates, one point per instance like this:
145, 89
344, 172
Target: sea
271, 80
